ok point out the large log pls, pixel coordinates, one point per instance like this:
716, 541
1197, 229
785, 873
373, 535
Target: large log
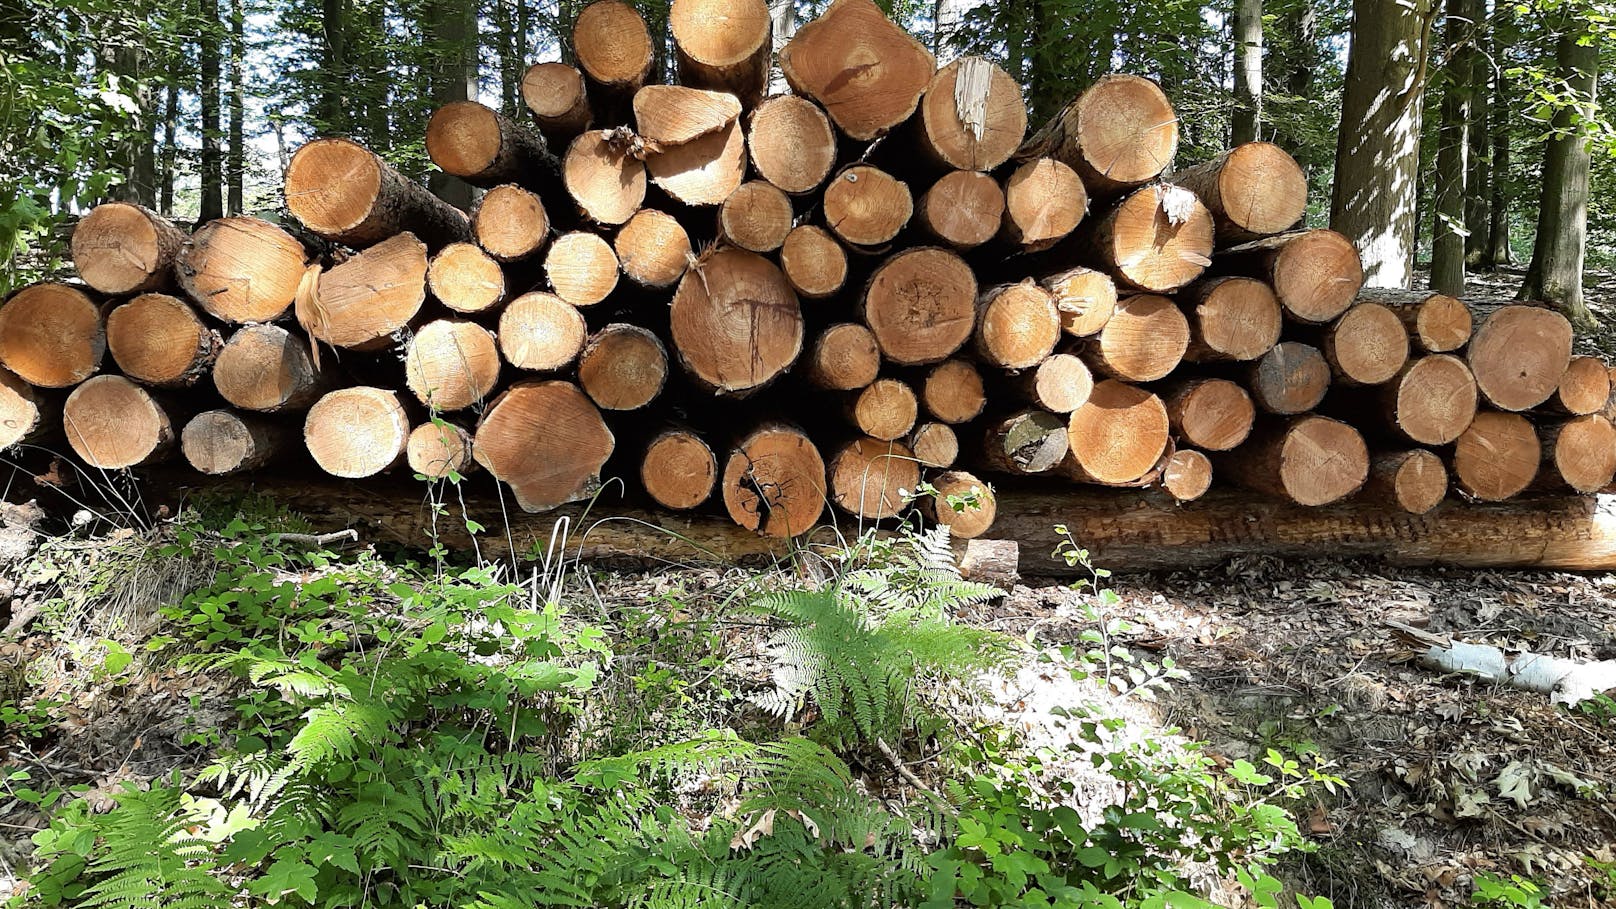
1368, 345
1086, 299
342, 191
364, 301
547, 441
703, 171
678, 470
582, 268
843, 357
972, 116
223, 442
1309, 460
541, 332
51, 335
867, 72
1579, 453
953, 392
1316, 274
465, 279
267, 368
736, 323
511, 223
1044, 201
774, 482
1519, 354
653, 248
112, 423
1231, 318
481, 146
158, 340
1119, 434
1212, 414
1437, 323
123, 248
723, 45
1017, 325
814, 263
1252, 190
357, 432
1432, 401
1290, 378
870, 478
921, 305
241, 269
602, 175
613, 48
865, 206
757, 216
623, 367
451, 365
554, 93
963, 209
791, 143
1497, 457
1120, 133
676, 114
1156, 239
1144, 340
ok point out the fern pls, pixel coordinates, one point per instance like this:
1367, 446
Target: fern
151, 860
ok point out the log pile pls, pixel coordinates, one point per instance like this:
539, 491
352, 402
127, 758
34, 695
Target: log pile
765, 307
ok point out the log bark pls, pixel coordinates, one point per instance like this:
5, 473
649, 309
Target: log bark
482, 147
653, 249
1497, 457
541, 332
1044, 201
1316, 274
361, 303
867, 72
1368, 345
1414, 481
1086, 300
112, 423
602, 175
439, 450
935, 445
676, 114
1187, 475
1585, 388
1519, 354
1310, 460
678, 470
774, 482
921, 305
224, 442
555, 96
342, 191
158, 340
736, 323
1119, 434
972, 116
547, 441
791, 143
1120, 133
1025, 442
756, 216
974, 507
704, 171
1017, 325
1144, 340
886, 409
613, 48
1060, 384
451, 365
465, 279
1253, 190
870, 478
723, 45
1291, 378
123, 248
21, 410
623, 367
814, 263
1211, 414
1578, 454
241, 269
357, 432
1231, 318
51, 335
582, 268
866, 207
1432, 401
844, 357
510, 223
1156, 239
962, 209
953, 392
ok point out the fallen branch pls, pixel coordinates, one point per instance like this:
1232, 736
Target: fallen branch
1565, 681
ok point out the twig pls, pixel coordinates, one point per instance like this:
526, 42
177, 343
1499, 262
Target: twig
907, 774
316, 540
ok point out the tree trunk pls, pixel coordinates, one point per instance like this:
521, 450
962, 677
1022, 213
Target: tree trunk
330, 113
212, 204
1453, 153
236, 160
1248, 54
1499, 250
171, 116
1478, 140
451, 34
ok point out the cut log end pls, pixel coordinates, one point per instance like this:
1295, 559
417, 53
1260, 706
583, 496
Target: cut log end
464, 138
1144, 340
1211, 414
223, 442
603, 178
867, 72
1118, 134
20, 412
157, 339
1044, 201
439, 451
1119, 434
676, 114
1086, 300
935, 445
364, 301
791, 143
814, 263
703, 171
678, 470
1157, 239
1368, 345
612, 45
972, 116
342, 191
774, 482
1017, 326
866, 206
112, 423
1187, 475
1414, 481
873, 478
886, 409
963, 209
241, 269
582, 268
1585, 387
266, 368
953, 392
547, 441
51, 335
450, 365
123, 248
541, 332
466, 279
1433, 401
510, 223
963, 503
1253, 190
1580, 453
736, 323
1497, 457
1317, 275
1310, 460
357, 432
653, 248
756, 217
723, 44
921, 305
623, 367
844, 357
1439, 323
1291, 378
1519, 354
1060, 384
1232, 319
554, 93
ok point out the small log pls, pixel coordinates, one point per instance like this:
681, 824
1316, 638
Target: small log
361, 303
953, 392
51, 335
547, 441
791, 143
342, 191
1437, 323
1368, 345
357, 432
451, 365
1253, 190
510, 223
1497, 456
1584, 389
1017, 325
1044, 201
21, 410
439, 451
756, 216
602, 175
1414, 481
1060, 384
870, 478
1316, 274
813, 262
484, 148
1212, 414
934, 444
112, 423
977, 507
1144, 340
1231, 318
1519, 354
1156, 239
676, 114
582, 268
865, 206
704, 171
886, 409
844, 357
1026, 442
613, 48
1578, 454
1119, 435
223, 442
1086, 299
623, 367
1432, 400
996, 563
1291, 378
774, 482
1187, 475
465, 279
962, 209
867, 72
723, 45
541, 332
972, 116
736, 323
921, 304
266, 368
554, 93
158, 340
123, 248
678, 470
1120, 133
653, 249
1310, 460
241, 269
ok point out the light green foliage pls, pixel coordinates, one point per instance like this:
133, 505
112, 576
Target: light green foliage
1513, 892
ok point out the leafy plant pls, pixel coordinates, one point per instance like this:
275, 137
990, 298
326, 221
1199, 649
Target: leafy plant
1514, 891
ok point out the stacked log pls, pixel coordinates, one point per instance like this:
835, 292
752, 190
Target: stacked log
762, 307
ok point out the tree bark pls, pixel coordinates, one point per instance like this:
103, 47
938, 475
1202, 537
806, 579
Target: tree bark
1453, 153
212, 204
236, 159
1248, 54
1499, 249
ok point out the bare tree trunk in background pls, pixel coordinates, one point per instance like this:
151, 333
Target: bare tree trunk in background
1378, 150
1478, 183
1555, 275
1289, 72
1248, 54
1499, 251
376, 126
334, 31
451, 32
505, 41
171, 116
212, 200
236, 164
1453, 153
783, 18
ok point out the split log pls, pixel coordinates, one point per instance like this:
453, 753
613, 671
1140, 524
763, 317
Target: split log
704, 171
844, 357
756, 216
541, 332
554, 93
1144, 340
361, 303
342, 191
158, 340
1187, 475
123, 248
1060, 384
1017, 325
510, 223
1579, 453
623, 367
953, 392
1310, 460
1368, 345
723, 45
439, 451
1156, 239
1231, 318
972, 116
1120, 133
1584, 389
1086, 299
865, 206
736, 323
602, 175
1316, 274
451, 365
678, 470
465, 279
484, 148
653, 248
357, 432
241, 269
112, 423
870, 478
51, 335
223, 442
867, 72
774, 482
813, 262
885, 409
1291, 378
791, 143
547, 441
1432, 401
1213, 414
1437, 323
21, 410
582, 268
934, 444
1253, 190
676, 114
1044, 201
1026, 442
963, 503
1497, 457
1519, 354
1414, 481
921, 304
267, 368
613, 48
1119, 435
963, 209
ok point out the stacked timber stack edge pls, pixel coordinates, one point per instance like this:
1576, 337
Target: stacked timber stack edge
760, 305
